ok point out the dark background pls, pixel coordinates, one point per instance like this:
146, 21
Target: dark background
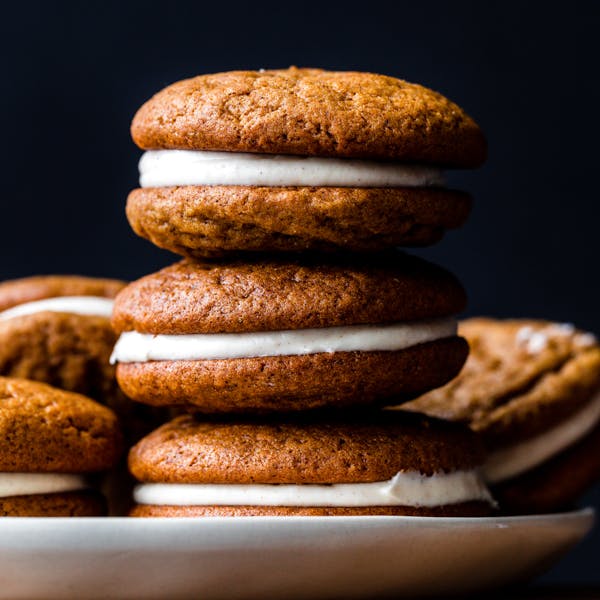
73, 75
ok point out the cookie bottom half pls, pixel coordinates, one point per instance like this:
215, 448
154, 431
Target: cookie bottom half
465, 509
211, 221
299, 382
67, 504
555, 485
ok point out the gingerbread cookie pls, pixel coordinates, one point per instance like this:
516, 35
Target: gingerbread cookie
376, 464
281, 335
49, 441
299, 159
532, 390
56, 329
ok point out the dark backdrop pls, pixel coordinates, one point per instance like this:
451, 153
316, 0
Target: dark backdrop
74, 73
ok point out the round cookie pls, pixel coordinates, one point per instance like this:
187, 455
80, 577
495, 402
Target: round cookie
352, 465
282, 335
532, 390
50, 439
310, 112
56, 329
299, 159
212, 221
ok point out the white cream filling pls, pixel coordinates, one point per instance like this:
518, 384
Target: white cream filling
409, 488
79, 305
160, 168
509, 462
142, 347
25, 484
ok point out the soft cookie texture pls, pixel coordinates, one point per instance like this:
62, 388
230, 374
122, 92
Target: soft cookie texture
463, 509
46, 430
277, 295
310, 112
212, 221
305, 112
524, 378
556, 484
68, 504
354, 448
350, 449
69, 351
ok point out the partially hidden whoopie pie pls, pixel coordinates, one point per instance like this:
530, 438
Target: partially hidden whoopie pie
287, 335
297, 159
375, 464
56, 329
49, 441
532, 390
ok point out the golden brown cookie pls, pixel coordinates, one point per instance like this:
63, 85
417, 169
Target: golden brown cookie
307, 113
68, 504
53, 345
311, 454
279, 321
556, 484
532, 389
310, 112
49, 439
276, 293
463, 509
70, 351
211, 221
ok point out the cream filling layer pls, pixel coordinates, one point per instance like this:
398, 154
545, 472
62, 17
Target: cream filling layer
160, 168
509, 462
409, 488
26, 484
142, 347
79, 305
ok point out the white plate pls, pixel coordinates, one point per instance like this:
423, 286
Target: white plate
285, 557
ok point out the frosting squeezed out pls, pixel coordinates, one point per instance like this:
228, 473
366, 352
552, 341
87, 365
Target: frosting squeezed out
409, 488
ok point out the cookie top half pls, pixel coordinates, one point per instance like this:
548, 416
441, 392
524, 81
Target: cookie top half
279, 294
361, 448
522, 377
44, 429
29, 289
310, 112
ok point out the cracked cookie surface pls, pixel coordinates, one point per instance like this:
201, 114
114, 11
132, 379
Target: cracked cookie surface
278, 293
521, 378
310, 112
214, 221
303, 449
531, 389
303, 112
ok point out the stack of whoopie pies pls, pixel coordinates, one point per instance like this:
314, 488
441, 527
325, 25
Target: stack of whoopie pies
292, 320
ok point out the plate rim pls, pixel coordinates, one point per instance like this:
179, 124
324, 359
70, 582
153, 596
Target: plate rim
585, 514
